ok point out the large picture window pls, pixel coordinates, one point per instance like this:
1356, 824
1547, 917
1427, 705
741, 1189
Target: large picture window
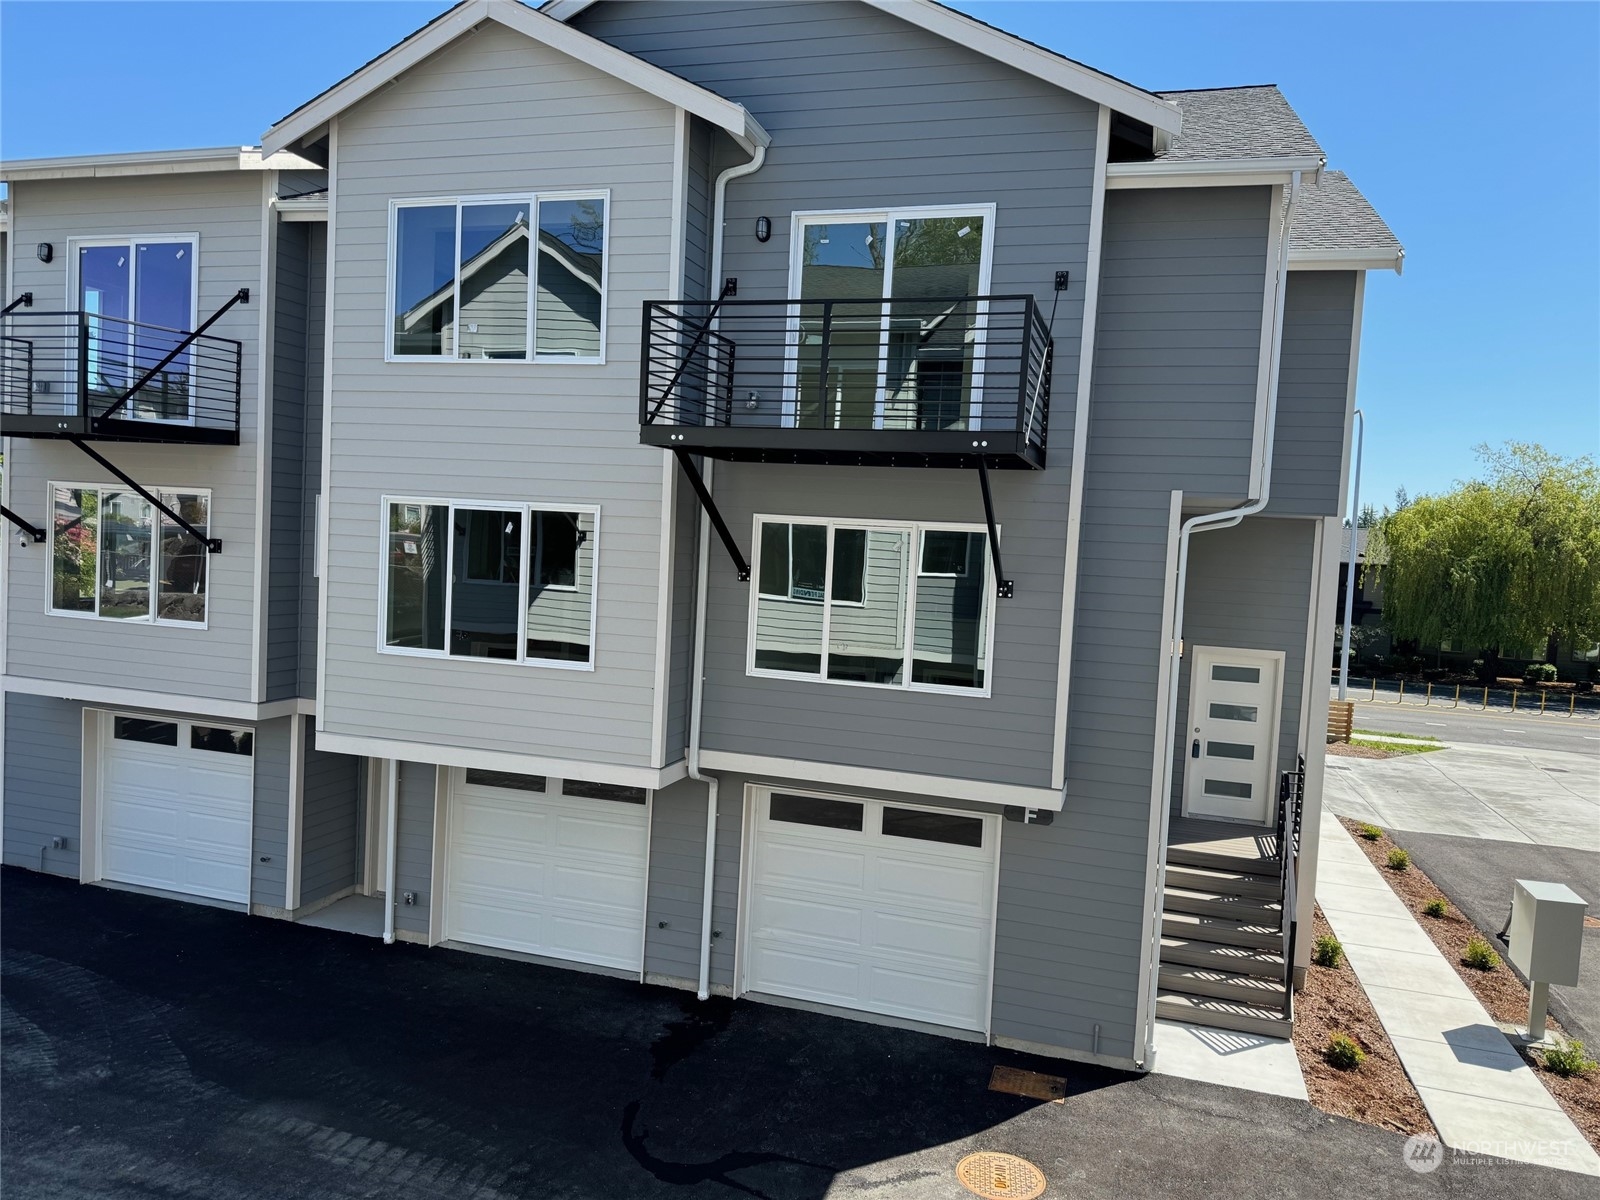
873, 603
512, 582
507, 279
115, 555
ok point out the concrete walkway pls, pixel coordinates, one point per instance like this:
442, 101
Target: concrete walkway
1222, 1056
1482, 1097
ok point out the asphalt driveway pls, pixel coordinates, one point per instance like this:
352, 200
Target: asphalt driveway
152, 1048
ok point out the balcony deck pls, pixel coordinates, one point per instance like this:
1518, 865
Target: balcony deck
925, 382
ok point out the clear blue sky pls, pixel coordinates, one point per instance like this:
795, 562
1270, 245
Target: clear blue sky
1471, 127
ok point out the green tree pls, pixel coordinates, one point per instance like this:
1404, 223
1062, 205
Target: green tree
1509, 563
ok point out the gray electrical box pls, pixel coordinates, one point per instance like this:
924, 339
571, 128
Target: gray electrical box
1546, 931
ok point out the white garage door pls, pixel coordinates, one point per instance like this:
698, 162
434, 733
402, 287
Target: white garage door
562, 876
175, 806
870, 905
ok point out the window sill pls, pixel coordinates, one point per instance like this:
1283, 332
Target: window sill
915, 689
440, 656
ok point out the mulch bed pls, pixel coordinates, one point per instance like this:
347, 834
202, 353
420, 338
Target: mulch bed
1346, 750
1500, 991
1379, 1091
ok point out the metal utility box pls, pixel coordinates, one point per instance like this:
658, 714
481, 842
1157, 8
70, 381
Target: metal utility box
1546, 931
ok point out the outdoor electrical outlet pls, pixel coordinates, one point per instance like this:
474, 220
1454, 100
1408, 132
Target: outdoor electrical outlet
58, 843
1061, 280
409, 897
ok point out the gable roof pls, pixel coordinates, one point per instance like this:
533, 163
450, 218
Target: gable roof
1238, 123
1337, 229
446, 28
986, 39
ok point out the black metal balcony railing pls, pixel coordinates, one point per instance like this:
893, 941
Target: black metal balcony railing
80, 374
939, 381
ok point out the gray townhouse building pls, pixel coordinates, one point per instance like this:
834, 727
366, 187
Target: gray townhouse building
828, 503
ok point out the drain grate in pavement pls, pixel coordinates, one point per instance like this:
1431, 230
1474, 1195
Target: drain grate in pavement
997, 1176
1030, 1085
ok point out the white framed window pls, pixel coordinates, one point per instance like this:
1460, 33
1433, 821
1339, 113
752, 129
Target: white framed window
845, 602
477, 579
115, 556
512, 278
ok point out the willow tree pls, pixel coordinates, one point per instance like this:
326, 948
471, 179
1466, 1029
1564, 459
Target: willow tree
1508, 564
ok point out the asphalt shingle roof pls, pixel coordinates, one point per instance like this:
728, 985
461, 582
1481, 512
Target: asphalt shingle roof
1334, 215
1238, 122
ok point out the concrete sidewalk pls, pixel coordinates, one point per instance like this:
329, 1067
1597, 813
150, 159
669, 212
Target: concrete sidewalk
1481, 1095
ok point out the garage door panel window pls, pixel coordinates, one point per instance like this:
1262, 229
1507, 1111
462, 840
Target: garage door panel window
816, 810
933, 826
114, 555
618, 792
220, 740
137, 729
502, 582
505, 779
846, 602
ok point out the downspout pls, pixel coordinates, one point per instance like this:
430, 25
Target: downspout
697, 682
391, 792
1201, 524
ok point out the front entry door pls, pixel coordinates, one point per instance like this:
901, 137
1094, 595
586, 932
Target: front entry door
1234, 700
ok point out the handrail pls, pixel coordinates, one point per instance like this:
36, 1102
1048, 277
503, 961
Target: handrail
242, 296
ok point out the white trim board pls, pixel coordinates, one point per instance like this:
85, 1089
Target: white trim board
1376, 259
653, 778
1209, 172
1007, 48
938, 787
442, 31
153, 162
197, 706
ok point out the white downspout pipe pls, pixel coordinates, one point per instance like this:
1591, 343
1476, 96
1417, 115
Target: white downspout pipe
391, 836
1350, 576
697, 681
1202, 523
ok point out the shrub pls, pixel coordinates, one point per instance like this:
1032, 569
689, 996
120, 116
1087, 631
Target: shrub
1327, 951
1436, 907
1344, 1053
1399, 860
1540, 673
1371, 832
1567, 1061
1480, 956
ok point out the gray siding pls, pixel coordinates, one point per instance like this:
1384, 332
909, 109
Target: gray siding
330, 808
677, 878
413, 860
680, 666
945, 126
287, 499
698, 213
476, 118
224, 208
1249, 587
1313, 393
269, 858
43, 782
311, 454
1179, 343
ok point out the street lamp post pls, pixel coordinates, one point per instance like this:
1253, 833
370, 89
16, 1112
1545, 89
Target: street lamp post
1350, 576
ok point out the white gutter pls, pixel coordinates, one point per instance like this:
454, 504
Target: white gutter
1199, 524
697, 682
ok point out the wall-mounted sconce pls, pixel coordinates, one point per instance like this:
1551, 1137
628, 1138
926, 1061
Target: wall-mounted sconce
45, 251
763, 228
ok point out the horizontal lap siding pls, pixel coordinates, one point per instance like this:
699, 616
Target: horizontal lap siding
677, 881
224, 208
286, 506
43, 782
330, 821
270, 845
1249, 588
311, 456
413, 859
1313, 393
866, 111
498, 113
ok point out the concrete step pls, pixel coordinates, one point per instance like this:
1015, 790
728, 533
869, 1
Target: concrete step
1249, 910
1216, 929
1183, 856
1224, 985
1225, 883
1222, 1014
1215, 956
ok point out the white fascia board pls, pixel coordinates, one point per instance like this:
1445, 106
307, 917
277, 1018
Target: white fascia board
939, 787
151, 162
1380, 259
654, 778
303, 208
725, 114
197, 706
1036, 61
1217, 172
994, 43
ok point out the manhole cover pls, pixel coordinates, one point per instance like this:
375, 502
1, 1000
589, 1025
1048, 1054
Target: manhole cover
998, 1176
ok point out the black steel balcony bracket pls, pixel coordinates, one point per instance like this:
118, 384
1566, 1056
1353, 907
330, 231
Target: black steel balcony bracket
242, 296
710, 505
212, 545
1003, 586
32, 531
23, 301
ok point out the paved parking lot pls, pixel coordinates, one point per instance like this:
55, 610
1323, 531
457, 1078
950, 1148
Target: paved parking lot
159, 1049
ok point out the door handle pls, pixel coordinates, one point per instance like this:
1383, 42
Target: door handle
1194, 750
